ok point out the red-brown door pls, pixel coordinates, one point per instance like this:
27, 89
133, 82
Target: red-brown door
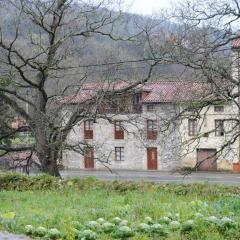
206, 160
152, 158
89, 158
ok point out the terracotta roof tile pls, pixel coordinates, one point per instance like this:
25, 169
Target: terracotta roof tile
175, 91
164, 91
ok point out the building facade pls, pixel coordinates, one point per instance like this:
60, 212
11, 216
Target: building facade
160, 131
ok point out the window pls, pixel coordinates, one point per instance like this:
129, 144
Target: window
112, 105
137, 100
88, 125
118, 130
152, 129
88, 129
119, 153
151, 125
218, 108
118, 126
219, 128
192, 127
150, 107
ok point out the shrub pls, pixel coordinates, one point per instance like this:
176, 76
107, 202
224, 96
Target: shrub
20, 182
159, 230
143, 227
124, 232
53, 233
165, 220
226, 224
108, 227
212, 220
117, 220
123, 223
40, 231
87, 235
101, 220
29, 229
174, 225
93, 225
187, 226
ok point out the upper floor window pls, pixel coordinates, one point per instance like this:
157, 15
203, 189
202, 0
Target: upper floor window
88, 129
152, 129
192, 127
118, 130
219, 108
119, 153
150, 107
219, 128
137, 100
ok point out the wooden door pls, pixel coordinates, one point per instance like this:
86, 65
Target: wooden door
89, 158
206, 160
152, 158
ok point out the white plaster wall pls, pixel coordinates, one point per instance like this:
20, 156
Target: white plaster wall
207, 123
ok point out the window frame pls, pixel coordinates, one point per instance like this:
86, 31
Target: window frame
153, 125
192, 127
152, 129
118, 125
151, 107
88, 125
88, 129
119, 154
219, 132
220, 108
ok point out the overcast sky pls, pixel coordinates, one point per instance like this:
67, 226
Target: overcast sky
147, 7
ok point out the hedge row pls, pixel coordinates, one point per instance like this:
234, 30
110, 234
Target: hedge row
19, 182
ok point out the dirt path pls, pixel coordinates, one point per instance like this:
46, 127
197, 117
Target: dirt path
8, 236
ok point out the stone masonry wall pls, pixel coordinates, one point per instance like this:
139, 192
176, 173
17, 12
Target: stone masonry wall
134, 143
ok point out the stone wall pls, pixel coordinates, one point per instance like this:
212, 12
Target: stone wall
206, 124
174, 147
135, 142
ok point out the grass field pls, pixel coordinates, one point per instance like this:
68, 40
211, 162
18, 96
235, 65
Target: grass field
214, 212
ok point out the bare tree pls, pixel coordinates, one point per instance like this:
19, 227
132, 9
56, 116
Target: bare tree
206, 42
46, 57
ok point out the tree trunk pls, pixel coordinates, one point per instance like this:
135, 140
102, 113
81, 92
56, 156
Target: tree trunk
51, 168
48, 157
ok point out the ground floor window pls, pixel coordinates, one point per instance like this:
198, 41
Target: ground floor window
119, 153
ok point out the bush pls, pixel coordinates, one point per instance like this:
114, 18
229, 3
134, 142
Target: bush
20, 182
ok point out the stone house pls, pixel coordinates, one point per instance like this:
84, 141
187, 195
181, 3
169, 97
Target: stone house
159, 130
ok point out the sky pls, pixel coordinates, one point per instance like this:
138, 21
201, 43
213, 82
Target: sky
147, 7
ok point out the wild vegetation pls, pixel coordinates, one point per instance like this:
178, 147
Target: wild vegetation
92, 209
